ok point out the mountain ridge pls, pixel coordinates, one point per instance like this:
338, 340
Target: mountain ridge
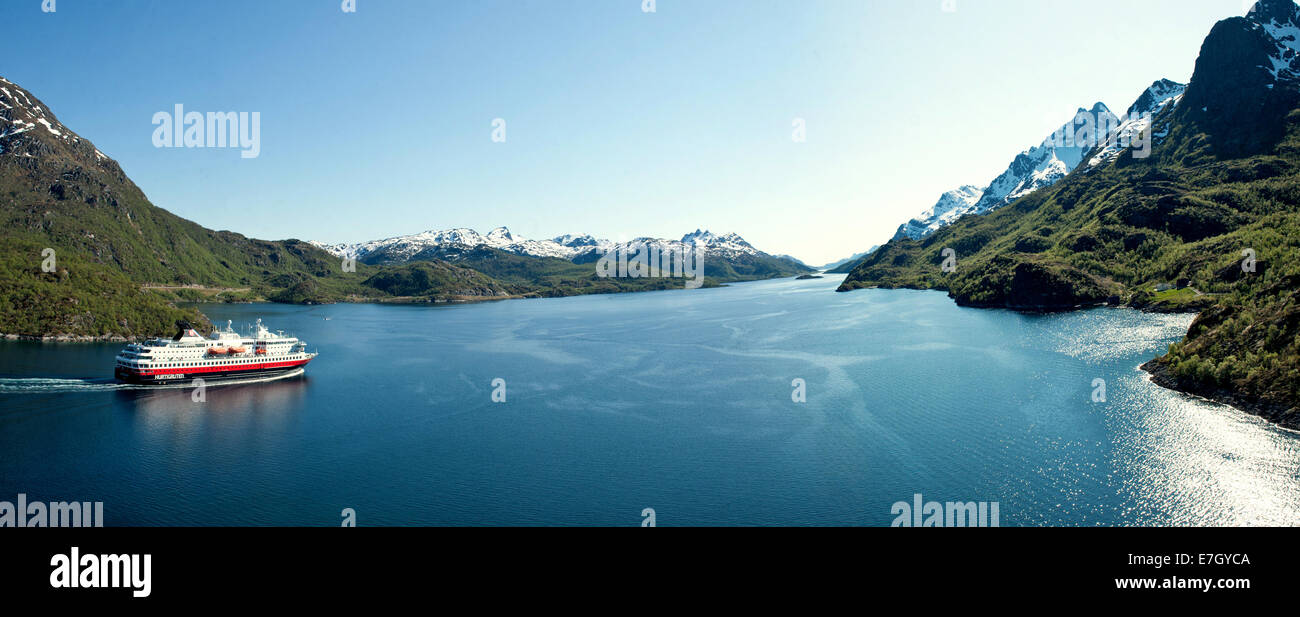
1032, 169
461, 245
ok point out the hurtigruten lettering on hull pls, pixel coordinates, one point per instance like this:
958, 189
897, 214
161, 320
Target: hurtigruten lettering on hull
224, 355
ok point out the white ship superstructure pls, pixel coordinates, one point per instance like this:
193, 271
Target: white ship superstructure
225, 354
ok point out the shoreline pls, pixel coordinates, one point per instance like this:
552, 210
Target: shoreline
1278, 415
384, 300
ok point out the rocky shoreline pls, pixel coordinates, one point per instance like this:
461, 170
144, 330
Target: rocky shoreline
72, 338
1281, 415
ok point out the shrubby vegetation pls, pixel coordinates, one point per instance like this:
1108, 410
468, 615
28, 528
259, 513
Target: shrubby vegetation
80, 298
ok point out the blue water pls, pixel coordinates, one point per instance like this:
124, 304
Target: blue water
678, 401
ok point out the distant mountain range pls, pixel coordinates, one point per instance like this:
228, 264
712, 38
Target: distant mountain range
454, 244
501, 254
84, 254
843, 266
1208, 222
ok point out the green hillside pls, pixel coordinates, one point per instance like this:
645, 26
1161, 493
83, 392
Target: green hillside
1169, 232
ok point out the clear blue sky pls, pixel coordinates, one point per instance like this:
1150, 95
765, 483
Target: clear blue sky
619, 123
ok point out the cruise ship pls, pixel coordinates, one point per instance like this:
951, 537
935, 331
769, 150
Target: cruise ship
225, 355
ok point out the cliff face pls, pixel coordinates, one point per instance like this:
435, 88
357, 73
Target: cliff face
1244, 86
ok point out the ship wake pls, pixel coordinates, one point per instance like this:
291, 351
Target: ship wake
50, 385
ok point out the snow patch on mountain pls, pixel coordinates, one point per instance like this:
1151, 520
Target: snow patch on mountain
1162, 95
1036, 168
21, 115
951, 206
1045, 164
1281, 20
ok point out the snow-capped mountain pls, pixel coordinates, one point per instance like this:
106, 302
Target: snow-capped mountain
451, 243
1281, 20
1036, 168
1246, 82
1161, 96
404, 248
726, 244
20, 114
953, 205
1045, 164
1154, 99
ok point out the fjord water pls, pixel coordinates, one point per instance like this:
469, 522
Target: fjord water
678, 401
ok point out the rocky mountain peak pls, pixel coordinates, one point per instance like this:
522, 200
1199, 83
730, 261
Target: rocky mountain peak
1274, 11
28, 129
1247, 78
1156, 97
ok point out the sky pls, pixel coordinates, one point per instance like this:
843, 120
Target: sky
618, 122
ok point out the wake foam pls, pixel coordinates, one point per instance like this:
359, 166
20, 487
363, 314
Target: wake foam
48, 385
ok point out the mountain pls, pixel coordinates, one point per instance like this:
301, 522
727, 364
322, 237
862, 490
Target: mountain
1045, 164
1208, 222
795, 260
951, 206
1162, 96
1036, 168
728, 257
61, 196
843, 266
